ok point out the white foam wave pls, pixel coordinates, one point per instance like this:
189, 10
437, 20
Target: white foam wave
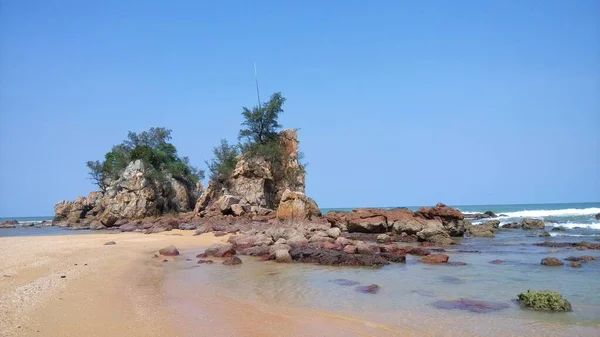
563, 234
553, 213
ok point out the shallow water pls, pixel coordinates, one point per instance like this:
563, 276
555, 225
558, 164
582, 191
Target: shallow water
413, 288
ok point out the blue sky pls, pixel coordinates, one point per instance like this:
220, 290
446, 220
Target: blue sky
398, 102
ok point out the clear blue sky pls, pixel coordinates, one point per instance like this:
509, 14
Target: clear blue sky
399, 103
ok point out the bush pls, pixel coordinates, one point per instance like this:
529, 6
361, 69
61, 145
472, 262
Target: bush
223, 163
544, 300
153, 148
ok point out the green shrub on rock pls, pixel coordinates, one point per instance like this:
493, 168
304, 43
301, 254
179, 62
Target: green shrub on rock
546, 300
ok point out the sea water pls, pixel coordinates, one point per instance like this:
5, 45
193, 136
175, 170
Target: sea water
409, 292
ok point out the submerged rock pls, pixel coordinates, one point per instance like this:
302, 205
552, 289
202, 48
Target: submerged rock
434, 258
584, 258
205, 261
544, 234
575, 264
471, 305
336, 258
551, 261
232, 261
497, 261
370, 289
578, 245
344, 282
451, 279
169, 251
545, 300
486, 229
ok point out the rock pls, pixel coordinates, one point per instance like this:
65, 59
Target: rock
436, 236
486, 229
577, 245
530, 223
496, 261
169, 251
297, 206
97, 225
597, 216
512, 225
282, 255
551, 261
394, 257
559, 229
350, 249
434, 258
334, 232
363, 248
451, 279
575, 264
110, 243
128, 227
239, 210
370, 289
8, 223
471, 305
544, 234
545, 300
456, 263
224, 203
384, 238
418, 251
205, 261
344, 282
232, 261
187, 226
584, 258
220, 250
297, 241
336, 258
276, 247
376, 224
440, 211
257, 250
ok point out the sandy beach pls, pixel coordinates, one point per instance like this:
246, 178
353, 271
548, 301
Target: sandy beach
74, 285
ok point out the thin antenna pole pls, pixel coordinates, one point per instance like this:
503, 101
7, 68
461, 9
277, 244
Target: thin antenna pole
256, 78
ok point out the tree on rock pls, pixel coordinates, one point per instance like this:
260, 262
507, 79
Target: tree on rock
224, 161
261, 121
154, 149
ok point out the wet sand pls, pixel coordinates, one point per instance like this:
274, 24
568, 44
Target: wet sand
120, 290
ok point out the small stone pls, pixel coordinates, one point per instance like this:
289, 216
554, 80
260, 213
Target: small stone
205, 261
110, 243
165, 260
544, 234
370, 289
497, 261
575, 264
63, 276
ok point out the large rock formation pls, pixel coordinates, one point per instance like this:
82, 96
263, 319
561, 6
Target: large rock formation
136, 194
433, 224
257, 187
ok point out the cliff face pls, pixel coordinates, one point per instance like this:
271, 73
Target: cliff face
135, 195
255, 186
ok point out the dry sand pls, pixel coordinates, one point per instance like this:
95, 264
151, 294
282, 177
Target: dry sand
118, 290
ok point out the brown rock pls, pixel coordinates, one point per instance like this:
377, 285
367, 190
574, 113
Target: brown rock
283, 255
551, 261
297, 206
350, 249
234, 260
575, 264
434, 258
205, 261
169, 251
220, 250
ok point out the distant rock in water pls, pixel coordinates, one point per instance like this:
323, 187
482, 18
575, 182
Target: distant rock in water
471, 305
169, 251
8, 224
479, 216
551, 261
344, 282
370, 289
544, 300
577, 245
530, 223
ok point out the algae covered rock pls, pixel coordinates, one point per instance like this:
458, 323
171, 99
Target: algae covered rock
546, 300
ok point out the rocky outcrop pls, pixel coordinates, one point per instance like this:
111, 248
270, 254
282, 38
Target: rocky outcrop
486, 229
551, 261
8, 224
479, 216
136, 194
260, 187
432, 224
544, 300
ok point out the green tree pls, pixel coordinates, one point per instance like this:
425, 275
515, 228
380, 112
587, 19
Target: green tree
223, 162
261, 124
154, 149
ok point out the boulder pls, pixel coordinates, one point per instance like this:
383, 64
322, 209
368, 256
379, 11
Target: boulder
239, 210
384, 238
530, 223
224, 203
169, 251
128, 227
436, 236
434, 258
512, 225
370, 289
8, 224
283, 255
220, 250
297, 241
551, 261
350, 249
544, 234
597, 216
276, 247
97, 225
486, 229
336, 258
376, 224
297, 206
334, 232
575, 264
544, 300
